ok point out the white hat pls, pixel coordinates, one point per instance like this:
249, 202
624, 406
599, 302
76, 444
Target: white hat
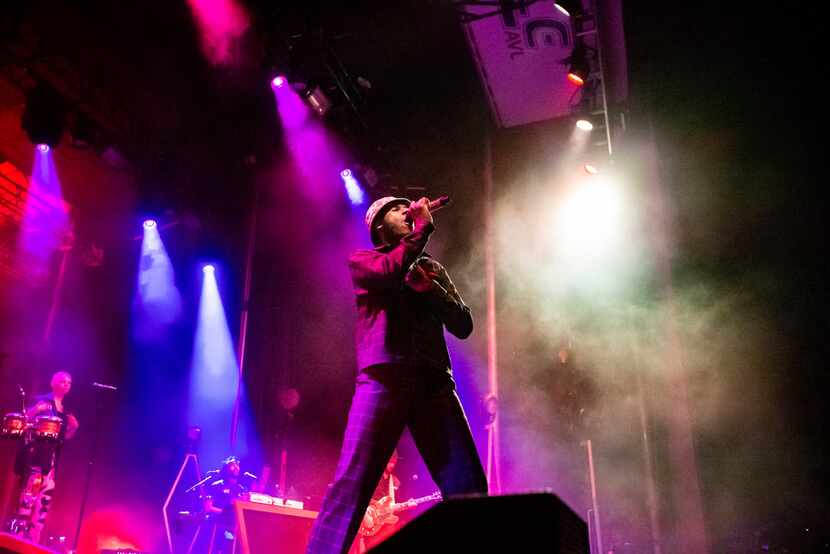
378, 209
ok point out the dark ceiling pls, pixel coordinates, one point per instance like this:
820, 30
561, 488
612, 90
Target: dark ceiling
135, 82
137, 71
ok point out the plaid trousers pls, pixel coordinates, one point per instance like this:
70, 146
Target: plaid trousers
388, 398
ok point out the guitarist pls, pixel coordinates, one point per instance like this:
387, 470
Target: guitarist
377, 523
382, 517
388, 482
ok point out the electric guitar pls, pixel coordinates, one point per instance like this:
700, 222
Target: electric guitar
382, 512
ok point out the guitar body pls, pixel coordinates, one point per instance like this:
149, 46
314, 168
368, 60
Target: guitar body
379, 513
382, 512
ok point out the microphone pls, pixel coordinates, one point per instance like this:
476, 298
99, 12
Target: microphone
436, 204
103, 386
251, 475
439, 203
20, 389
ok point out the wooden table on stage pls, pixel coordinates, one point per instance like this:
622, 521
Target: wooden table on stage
271, 528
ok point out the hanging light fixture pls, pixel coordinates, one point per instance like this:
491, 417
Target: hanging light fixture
578, 69
44, 117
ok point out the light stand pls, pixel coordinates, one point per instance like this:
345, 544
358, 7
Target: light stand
193, 435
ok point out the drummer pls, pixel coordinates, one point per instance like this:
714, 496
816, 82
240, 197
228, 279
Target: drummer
39, 456
53, 404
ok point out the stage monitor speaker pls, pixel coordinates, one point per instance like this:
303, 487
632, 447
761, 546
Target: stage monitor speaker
266, 528
537, 522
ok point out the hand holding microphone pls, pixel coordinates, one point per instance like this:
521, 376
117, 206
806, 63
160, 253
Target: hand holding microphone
418, 212
438, 203
422, 274
421, 209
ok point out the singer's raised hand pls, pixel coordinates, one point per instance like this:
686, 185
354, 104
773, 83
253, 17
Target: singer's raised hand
419, 212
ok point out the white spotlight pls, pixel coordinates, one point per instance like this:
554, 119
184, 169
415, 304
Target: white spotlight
584, 125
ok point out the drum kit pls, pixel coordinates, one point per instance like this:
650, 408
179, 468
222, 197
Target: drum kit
44, 428
38, 437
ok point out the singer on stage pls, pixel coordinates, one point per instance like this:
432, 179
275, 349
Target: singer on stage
405, 298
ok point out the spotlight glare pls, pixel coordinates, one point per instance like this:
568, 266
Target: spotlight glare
208, 268
353, 190
43, 147
584, 125
590, 169
279, 81
590, 221
149, 223
576, 79
579, 68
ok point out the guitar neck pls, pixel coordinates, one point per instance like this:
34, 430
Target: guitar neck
416, 501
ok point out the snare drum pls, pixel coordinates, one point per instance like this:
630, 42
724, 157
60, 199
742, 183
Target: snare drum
14, 425
47, 427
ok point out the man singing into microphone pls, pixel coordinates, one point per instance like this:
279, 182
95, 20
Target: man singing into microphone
404, 300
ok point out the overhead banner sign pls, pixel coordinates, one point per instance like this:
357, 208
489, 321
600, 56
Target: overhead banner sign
521, 56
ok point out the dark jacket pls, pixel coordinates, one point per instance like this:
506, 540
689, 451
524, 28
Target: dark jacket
396, 324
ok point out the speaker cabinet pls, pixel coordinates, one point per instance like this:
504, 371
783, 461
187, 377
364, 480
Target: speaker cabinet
537, 522
267, 528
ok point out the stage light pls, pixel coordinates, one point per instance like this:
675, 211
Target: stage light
575, 79
215, 390
279, 81
578, 69
584, 125
292, 107
158, 303
571, 8
590, 219
44, 223
318, 101
353, 190
590, 169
